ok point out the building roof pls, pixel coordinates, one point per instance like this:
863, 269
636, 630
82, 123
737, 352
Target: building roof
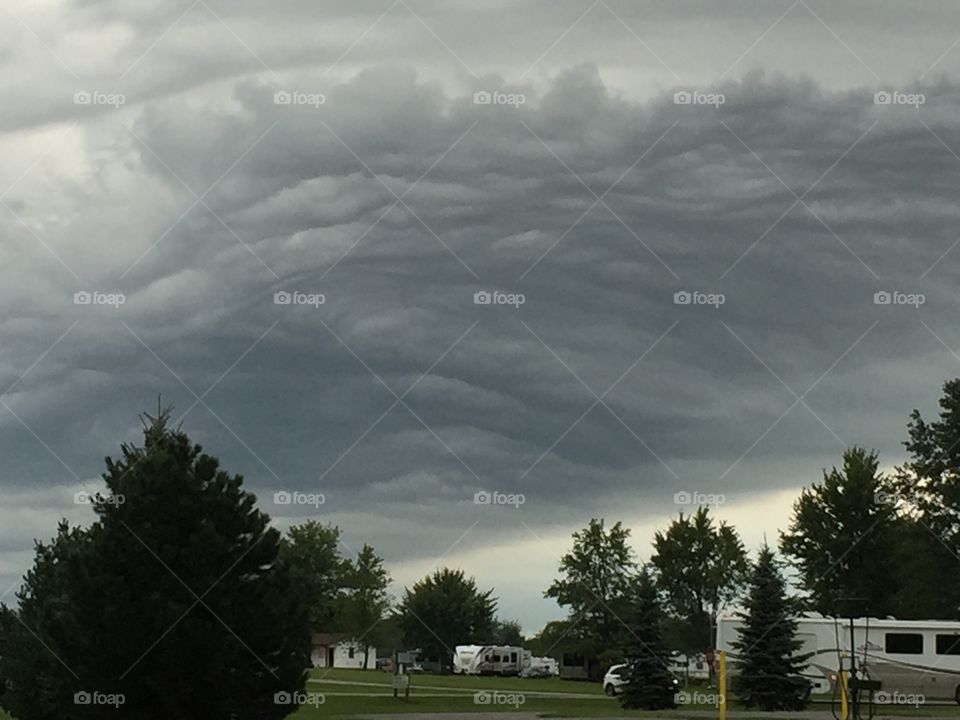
328, 638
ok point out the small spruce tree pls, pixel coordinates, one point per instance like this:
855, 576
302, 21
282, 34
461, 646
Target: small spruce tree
649, 686
769, 667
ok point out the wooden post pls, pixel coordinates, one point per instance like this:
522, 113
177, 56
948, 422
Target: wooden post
722, 684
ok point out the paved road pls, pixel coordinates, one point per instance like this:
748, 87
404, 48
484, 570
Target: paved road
673, 715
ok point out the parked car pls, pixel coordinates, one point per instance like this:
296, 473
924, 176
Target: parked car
616, 678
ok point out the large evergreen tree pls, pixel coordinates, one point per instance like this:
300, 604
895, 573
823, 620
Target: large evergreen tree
649, 683
768, 666
175, 599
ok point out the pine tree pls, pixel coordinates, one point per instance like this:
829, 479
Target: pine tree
649, 686
768, 667
175, 599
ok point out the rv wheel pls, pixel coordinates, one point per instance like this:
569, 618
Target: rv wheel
956, 695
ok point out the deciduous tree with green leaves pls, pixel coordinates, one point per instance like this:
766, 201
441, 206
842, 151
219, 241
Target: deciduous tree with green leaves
596, 576
312, 552
444, 610
366, 599
842, 538
700, 567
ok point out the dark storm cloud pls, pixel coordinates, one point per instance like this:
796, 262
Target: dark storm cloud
794, 200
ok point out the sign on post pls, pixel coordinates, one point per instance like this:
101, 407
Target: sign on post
401, 682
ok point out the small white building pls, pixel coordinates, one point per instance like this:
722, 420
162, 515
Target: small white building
332, 650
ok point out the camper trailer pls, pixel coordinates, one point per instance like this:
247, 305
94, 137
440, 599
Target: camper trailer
920, 657
489, 659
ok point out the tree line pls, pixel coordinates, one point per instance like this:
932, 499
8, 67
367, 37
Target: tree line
183, 600
861, 543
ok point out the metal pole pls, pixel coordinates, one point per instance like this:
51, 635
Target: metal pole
722, 684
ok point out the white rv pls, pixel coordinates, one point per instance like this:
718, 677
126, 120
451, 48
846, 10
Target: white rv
489, 660
921, 657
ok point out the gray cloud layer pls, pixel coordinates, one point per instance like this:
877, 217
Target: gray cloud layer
492, 197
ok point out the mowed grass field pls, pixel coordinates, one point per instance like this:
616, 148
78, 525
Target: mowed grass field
357, 692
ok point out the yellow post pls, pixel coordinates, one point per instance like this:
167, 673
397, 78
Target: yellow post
722, 683
843, 695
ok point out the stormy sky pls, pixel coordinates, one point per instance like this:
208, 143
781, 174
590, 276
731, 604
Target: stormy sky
189, 166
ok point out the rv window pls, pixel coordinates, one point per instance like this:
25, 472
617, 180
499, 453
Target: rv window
351, 653
948, 644
496, 658
904, 643
513, 657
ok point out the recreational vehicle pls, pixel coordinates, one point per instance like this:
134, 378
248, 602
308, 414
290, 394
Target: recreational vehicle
489, 659
919, 657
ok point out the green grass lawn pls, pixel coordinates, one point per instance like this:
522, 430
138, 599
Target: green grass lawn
454, 693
